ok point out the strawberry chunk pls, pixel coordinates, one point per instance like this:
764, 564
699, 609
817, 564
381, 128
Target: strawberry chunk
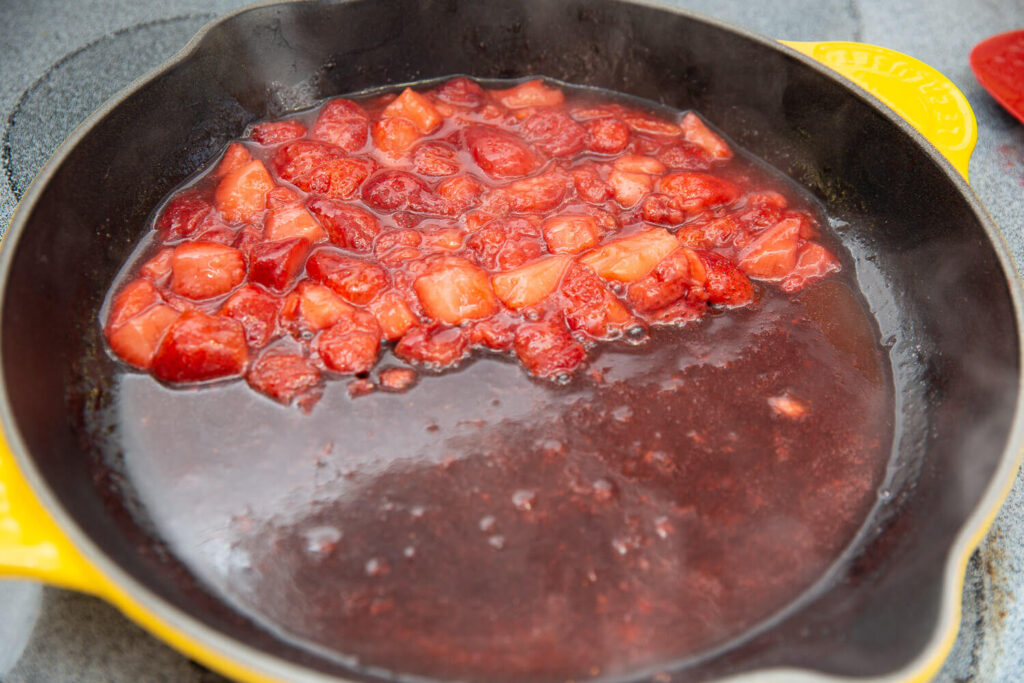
352, 344
394, 136
628, 187
397, 379
293, 222
338, 178
401, 191
813, 262
453, 290
497, 332
725, 283
628, 259
235, 156
651, 125
282, 196
355, 280
672, 279
500, 154
275, 265
256, 311
347, 226
662, 209
393, 315
530, 94
297, 160
589, 306
571, 234
589, 185
199, 347
200, 270
547, 350
435, 347
276, 132
607, 135
461, 192
319, 306
638, 163
415, 108
553, 132
697, 132
696, 191
136, 339
685, 155
158, 268
242, 194
435, 159
342, 123
181, 217
539, 194
283, 376
461, 92
772, 256
506, 243
530, 284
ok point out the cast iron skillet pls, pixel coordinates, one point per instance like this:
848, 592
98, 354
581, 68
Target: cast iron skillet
929, 260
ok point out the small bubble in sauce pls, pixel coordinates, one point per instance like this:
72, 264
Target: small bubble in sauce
662, 527
604, 490
497, 541
487, 523
417, 511
376, 566
524, 499
321, 540
409, 551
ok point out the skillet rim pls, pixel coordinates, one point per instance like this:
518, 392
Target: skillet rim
971, 532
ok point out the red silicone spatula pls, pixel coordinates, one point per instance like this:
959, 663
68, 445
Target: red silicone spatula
998, 63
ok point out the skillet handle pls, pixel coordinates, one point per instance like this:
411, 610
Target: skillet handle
922, 96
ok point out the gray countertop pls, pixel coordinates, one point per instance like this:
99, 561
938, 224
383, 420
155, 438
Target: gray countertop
63, 58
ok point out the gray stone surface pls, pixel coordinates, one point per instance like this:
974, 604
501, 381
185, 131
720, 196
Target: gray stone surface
62, 58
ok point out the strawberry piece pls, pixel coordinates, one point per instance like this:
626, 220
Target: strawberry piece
718, 232
589, 185
256, 311
506, 243
342, 123
497, 332
628, 259
639, 163
347, 226
435, 347
136, 340
158, 268
685, 155
200, 270
461, 92
339, 178
222, 235
696, 191
442, 239
697, 132
283, 376
242, 194
650, 125
662, 209
276, 132
628, 188
394, 136
500, 154
235, 156
813, 262
396, 379
199, 347
400, 191
355, 280
291, 222
553, 132
539, 194
530, 94
319, 307
297, 160
547, 350
570, 234
134, 298
275, 265
181, 217
391, 239
415, 108
352, 344
435, 159
589, 306
453, 290
607, 135
281, 196
461, 192
393, 315
530, 284
671, 280
772, 256
247, 238
725, 283
682, 311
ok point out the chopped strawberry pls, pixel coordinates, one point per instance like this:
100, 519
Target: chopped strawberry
393, 315
662, 209
347, 226
442, 239
772, 256
696, 191
435, 159
256, 311
394, 136
639, 163
530, 94
435, 347
134, 298
158, 268
506, 243
682, 311
608, 135
198, 347
242, 194
685, 155
628, 259
276, 132
718, 232
283, 376
539, 194
136, 339
530, 284
629, 188
461, 92
343, 123
651, 125
396, 379
453, 290
200, 270
356, 280
497, 332
391, 239
338, 178
319, 306
222, 235
235, 156
282, 196
417, 109
547, 349
589, 185
671, 280
181, 217
589, 306
812, 263
351, 345
275, 265
725, 284
500, 154
571, 234
246, 238
297, 160
553, 132
400, 191
697, 132
461, 192
292, 222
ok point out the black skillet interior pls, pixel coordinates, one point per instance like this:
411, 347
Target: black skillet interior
927, 268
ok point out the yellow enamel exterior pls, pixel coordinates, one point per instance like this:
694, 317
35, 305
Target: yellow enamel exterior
32, 545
